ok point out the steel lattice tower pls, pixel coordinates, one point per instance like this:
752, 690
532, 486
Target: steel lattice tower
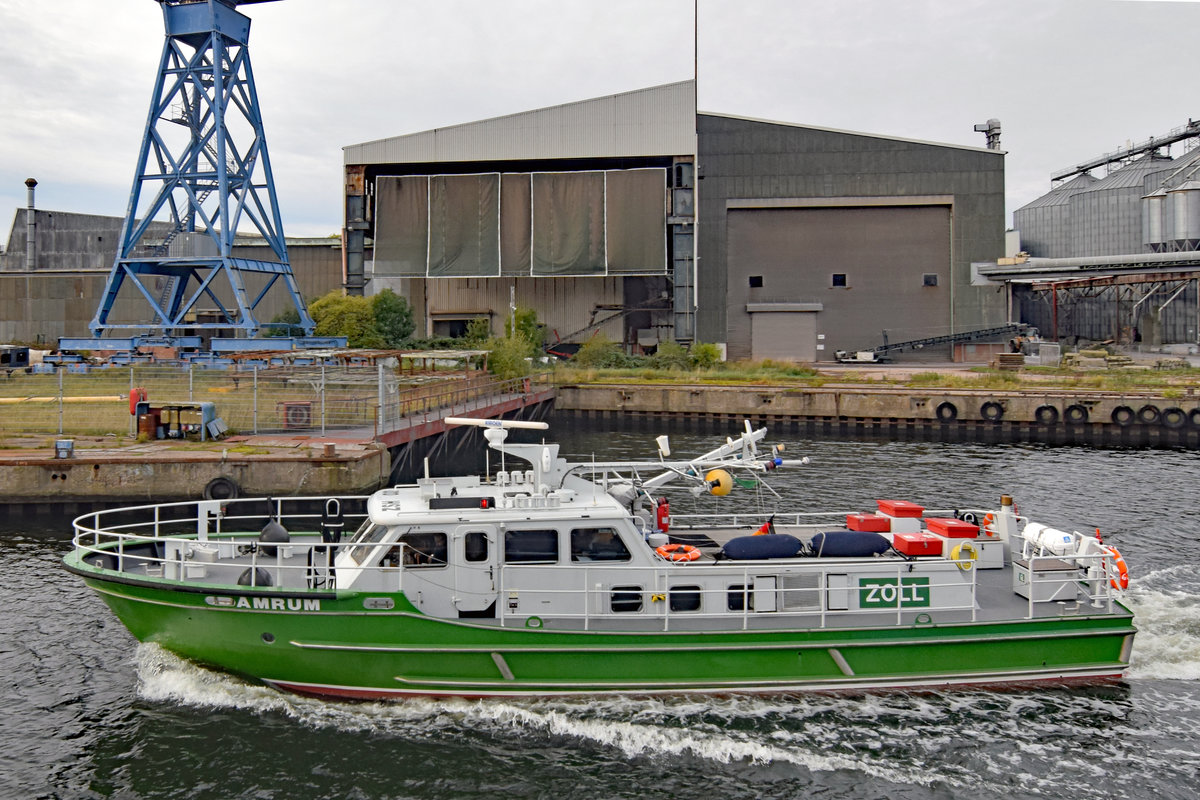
204, 160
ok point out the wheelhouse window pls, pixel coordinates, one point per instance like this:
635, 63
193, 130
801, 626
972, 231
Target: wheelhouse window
365, 540
597, 544
626, 599
475, 546
838, 280
531, 547
422, 549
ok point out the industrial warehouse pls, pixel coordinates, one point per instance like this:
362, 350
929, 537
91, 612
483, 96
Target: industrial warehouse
637, 216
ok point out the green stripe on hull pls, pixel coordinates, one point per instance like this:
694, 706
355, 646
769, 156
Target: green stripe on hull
337, 647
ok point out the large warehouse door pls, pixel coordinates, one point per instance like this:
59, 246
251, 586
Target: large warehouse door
872, 269
784, 335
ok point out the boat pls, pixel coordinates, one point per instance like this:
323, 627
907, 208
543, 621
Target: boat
545, 578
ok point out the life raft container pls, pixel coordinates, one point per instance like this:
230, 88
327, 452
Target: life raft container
849, 544
759, 546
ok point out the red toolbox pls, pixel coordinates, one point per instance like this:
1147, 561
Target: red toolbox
876, 523
952, 528
918, 544
900, 508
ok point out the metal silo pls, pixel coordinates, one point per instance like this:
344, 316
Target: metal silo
1153, 207
1184, 206
1106, 218
1045, 223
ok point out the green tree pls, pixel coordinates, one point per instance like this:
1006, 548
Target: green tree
528, 326
285, 323
479, 330
336, 314
393, 318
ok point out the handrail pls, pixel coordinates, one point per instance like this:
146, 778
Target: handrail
422, 405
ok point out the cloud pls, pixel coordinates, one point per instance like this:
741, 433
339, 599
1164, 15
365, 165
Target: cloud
1068, 79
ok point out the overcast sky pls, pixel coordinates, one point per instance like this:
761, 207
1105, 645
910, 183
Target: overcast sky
1068, 79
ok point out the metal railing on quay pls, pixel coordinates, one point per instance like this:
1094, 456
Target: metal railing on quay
248, 399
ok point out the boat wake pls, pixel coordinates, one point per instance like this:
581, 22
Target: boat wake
908, 743
1166, 608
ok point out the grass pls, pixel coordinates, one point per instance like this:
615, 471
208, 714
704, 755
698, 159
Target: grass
353, 403
1171, 383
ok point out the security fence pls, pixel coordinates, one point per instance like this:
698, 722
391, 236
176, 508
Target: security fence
251, 400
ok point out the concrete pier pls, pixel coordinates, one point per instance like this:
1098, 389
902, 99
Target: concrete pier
1082, 417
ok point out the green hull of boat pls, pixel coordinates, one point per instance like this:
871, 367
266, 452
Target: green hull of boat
375, 645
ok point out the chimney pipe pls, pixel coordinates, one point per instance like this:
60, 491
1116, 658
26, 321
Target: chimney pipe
990, 129
30, 228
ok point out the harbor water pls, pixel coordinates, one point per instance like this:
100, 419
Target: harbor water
89, 713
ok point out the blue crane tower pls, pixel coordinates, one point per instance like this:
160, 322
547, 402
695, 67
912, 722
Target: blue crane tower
204, 162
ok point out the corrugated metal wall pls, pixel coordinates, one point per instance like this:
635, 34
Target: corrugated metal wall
1045, 224
1091, 217
747, 159
62, 302
564, 305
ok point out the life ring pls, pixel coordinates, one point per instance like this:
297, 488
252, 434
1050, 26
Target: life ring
1121, 581
1123, 416
1075, 414
678, 552
1148, 415
947, 411
964, 555
1046, 415
1174, 418
221, 488
991, 411
989, 524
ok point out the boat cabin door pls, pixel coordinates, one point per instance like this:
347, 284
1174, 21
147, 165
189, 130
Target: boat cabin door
476, 562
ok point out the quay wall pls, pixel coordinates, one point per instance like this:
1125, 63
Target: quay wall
1053, 416
161, 477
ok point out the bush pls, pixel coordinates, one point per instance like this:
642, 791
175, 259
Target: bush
510, 356
393, 319
479, 330
353, 317
600, 352
671, 355
704, 355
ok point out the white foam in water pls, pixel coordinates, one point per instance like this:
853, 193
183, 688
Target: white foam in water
1166, 610
895, 737
633, 727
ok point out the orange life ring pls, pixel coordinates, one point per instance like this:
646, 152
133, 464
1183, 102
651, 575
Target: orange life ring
678, 552
1121, 581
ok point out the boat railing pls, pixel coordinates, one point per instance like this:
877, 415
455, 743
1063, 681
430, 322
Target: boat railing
1071, 581
810, 603
754, 519
166, 538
